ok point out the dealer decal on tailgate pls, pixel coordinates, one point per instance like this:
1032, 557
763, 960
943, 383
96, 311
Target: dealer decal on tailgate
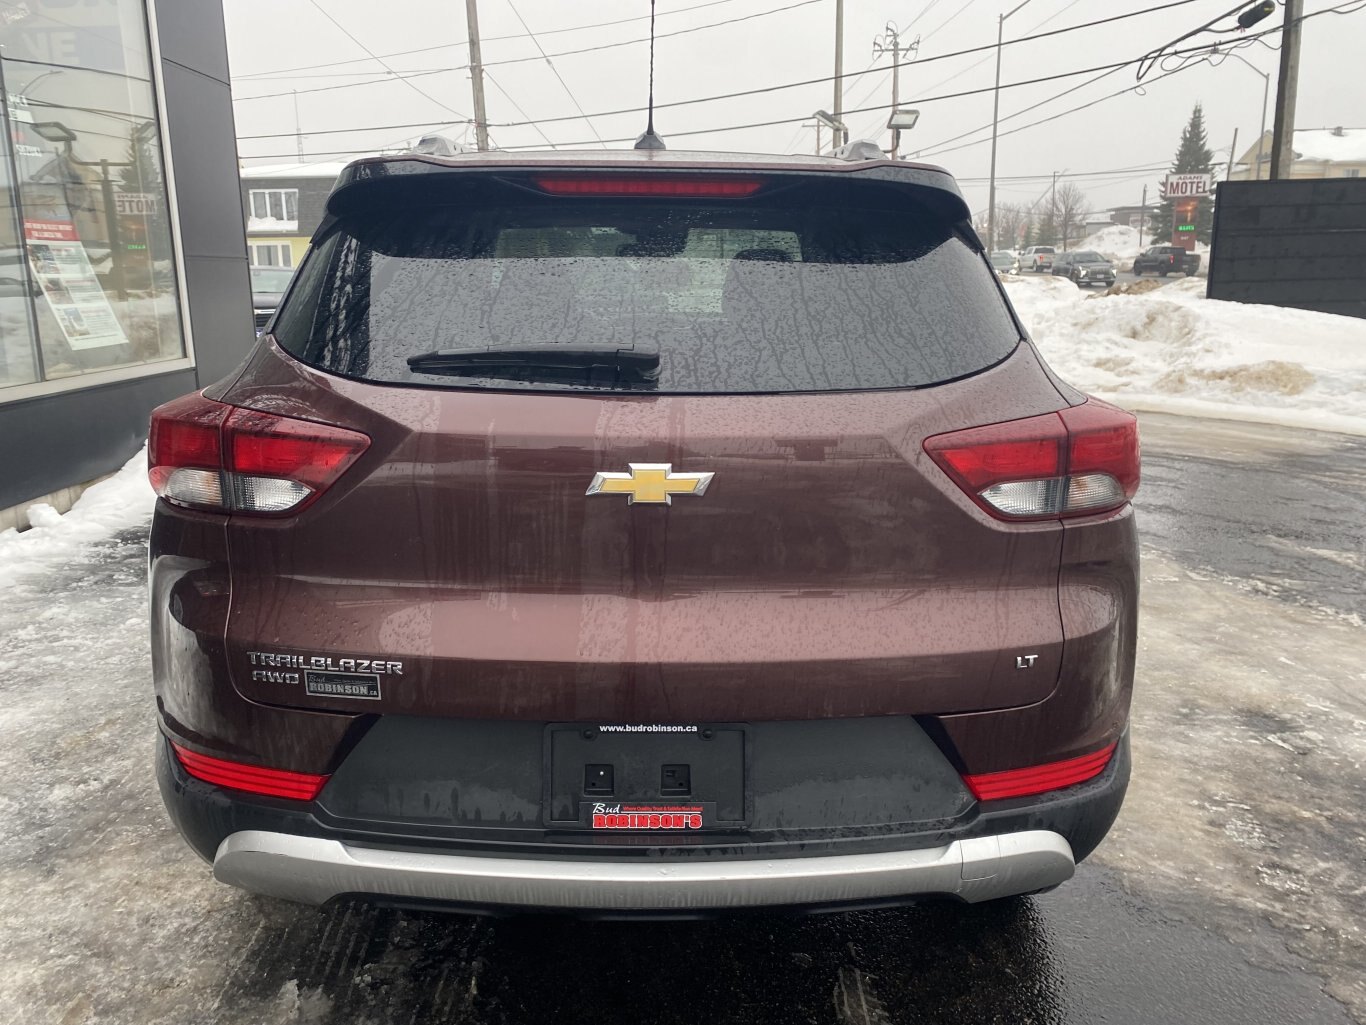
646, 816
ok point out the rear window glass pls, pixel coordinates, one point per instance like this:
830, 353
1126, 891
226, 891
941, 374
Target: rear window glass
734, 297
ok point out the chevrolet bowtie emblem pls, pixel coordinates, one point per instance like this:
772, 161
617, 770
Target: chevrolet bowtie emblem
649, 482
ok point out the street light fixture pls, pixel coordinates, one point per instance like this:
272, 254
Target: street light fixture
54, 131
901, 121
839, 133
995, 119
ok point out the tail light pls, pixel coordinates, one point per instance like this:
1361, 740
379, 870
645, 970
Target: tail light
1039, 779
1075, 462
204, 454
298, 786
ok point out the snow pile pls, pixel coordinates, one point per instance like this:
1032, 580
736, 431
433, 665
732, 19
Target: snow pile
1172, 350
124, 500
1118, 243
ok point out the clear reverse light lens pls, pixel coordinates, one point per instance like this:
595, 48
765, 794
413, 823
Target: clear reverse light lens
266, 494
1093, 491
1025, 497
189, 486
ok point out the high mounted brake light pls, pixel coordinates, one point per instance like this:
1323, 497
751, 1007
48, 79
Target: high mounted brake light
649, 185
254, 779
1075, 462
204, 454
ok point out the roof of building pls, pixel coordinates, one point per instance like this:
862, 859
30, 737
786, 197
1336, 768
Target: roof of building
328, 169
1327, 144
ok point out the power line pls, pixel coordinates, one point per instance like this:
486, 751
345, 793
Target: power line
508, 96
524, 60
926, 151
777, 121
923, 11
487, 39
786, 85
560, 78
367, 49
939, 147
961, 8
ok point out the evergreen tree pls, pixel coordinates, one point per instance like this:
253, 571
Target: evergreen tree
1193, 156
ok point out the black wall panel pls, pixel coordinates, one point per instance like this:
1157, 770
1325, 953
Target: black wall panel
1291, 243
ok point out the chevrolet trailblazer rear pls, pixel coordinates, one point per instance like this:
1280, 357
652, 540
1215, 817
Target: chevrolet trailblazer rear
631, 533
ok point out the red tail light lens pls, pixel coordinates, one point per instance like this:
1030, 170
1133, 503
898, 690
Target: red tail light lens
1039, 779
1075, 462
208, 455
298, 786
648, 185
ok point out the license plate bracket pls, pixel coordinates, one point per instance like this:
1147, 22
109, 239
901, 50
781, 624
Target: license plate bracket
645, 777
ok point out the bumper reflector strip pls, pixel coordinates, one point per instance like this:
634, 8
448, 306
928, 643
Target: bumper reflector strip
1038, 779
298, 786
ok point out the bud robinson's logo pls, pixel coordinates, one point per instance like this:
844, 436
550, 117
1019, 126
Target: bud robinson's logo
647, 816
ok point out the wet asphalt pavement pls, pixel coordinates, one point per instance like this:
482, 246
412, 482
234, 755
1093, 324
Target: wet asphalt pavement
1277, 511
1087, 953
105, 917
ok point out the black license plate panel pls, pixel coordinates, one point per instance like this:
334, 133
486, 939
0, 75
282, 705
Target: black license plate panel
655, 769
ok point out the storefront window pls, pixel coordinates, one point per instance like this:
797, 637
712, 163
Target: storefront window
86, 203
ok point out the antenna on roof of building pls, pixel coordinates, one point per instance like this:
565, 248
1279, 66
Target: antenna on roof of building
651, 140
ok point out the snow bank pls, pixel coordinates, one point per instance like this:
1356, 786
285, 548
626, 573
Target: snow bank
1118, 243
124, 500
1172, 350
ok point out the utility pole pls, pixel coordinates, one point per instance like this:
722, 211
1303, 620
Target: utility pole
839, 67
995, 119
1283, 143
481, 121
1142, 217
1053, 212
298, 129
1232, 156
890, 42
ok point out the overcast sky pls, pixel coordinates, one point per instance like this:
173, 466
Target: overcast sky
771, 43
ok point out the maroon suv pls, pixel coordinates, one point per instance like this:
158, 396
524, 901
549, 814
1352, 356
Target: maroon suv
641, 532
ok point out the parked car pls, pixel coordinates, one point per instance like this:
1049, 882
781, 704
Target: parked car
1164, 260
268, 285
1004, 261
499, 579
1037, 259
1085, 268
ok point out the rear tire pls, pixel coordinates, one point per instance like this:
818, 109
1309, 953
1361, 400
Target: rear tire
1163, 273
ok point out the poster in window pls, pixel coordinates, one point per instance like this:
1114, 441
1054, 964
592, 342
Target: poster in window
70, 286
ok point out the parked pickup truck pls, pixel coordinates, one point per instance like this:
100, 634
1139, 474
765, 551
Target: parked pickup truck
1164, 260
1037, 259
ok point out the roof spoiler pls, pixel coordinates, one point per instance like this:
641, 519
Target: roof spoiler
411, 175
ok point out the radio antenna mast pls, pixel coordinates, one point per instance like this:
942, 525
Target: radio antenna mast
651, 140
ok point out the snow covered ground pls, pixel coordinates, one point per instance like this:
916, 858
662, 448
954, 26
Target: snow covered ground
1118, 243
123, 500
1174, 351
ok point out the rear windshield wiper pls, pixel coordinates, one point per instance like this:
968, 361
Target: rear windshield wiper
640, 362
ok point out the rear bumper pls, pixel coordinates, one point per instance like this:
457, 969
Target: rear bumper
314, 871
295, 851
